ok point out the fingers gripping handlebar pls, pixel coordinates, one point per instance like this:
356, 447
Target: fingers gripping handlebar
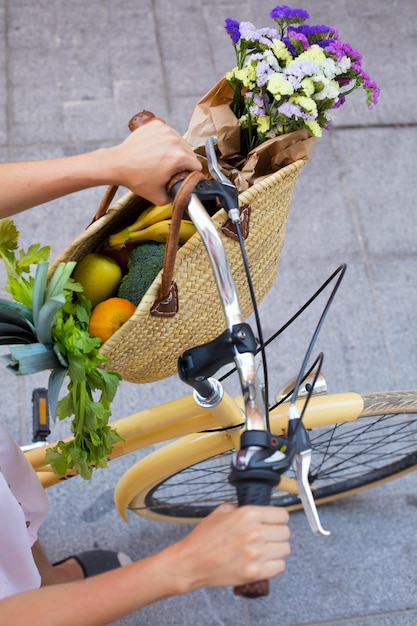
256, 470
139, 120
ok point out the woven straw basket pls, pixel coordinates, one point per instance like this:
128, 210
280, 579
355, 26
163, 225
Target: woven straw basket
146, 348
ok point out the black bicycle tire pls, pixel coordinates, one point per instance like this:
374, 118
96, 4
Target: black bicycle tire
377, 406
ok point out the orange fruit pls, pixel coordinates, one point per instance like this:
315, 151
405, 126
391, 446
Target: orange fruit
99, 275
108, 316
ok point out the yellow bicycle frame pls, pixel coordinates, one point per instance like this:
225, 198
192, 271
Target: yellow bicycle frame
179, 418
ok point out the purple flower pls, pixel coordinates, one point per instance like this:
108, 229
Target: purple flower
257, 105
301, 69
249, 32
371, 88
339, 102
284, 12
294, 82
294, 36
324, 43
232, 29
352, 52
290, 46
263, 71
284, 55
317, 33
337, 48
294, 110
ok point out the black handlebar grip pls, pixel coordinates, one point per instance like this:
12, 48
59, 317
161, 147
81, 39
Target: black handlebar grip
256, 492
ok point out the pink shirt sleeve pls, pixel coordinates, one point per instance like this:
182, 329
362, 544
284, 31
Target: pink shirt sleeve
23, 507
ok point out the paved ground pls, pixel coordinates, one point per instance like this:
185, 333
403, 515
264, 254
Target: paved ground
71, 76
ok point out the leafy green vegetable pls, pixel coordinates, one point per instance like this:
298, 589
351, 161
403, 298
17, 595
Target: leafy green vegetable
46, 315
19, 286
93, 437
16, 324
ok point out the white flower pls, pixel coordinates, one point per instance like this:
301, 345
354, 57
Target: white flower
329, 68
330, 90
344, 65
272, 61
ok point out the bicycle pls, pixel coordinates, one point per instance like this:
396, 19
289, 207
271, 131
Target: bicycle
323, 446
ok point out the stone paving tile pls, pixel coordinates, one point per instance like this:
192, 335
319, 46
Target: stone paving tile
71, 76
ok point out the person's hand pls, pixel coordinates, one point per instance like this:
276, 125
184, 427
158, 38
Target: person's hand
234, 546
149, 157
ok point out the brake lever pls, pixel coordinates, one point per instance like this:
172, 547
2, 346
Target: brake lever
298, 433
302, 462
230, 189
213, 164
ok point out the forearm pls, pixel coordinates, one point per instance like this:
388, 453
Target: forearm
98, 600
28, 184
144, 163
232, 546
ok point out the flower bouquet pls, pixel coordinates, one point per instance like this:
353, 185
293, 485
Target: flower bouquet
286, 85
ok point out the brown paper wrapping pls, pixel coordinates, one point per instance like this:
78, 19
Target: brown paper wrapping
213, 116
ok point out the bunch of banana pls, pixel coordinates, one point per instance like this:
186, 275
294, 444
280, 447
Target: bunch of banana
153, 224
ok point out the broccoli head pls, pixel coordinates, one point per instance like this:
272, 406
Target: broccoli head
145, 262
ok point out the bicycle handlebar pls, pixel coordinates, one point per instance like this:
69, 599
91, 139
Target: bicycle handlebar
237, 343
263, 457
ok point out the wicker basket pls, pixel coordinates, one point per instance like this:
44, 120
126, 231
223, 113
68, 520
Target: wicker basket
146, 348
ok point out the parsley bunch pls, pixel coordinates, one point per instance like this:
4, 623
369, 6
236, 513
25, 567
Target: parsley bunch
93, 437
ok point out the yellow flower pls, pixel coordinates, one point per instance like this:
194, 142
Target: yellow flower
307, 104
307, 85
313, 127
243, 121
314, 53
264, 124
247, 76
279, 86
281, 51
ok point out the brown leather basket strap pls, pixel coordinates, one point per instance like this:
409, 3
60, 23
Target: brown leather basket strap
105, 202
229, 228
180, 204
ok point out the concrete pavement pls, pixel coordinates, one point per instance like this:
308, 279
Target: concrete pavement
71, 76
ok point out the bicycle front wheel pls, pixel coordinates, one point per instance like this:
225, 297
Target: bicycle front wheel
377, 444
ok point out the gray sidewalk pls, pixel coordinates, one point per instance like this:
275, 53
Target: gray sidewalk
72, 74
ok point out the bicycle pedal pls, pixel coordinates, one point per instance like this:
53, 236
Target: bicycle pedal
40, 414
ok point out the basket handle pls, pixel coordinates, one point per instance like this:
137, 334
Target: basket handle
167, 303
